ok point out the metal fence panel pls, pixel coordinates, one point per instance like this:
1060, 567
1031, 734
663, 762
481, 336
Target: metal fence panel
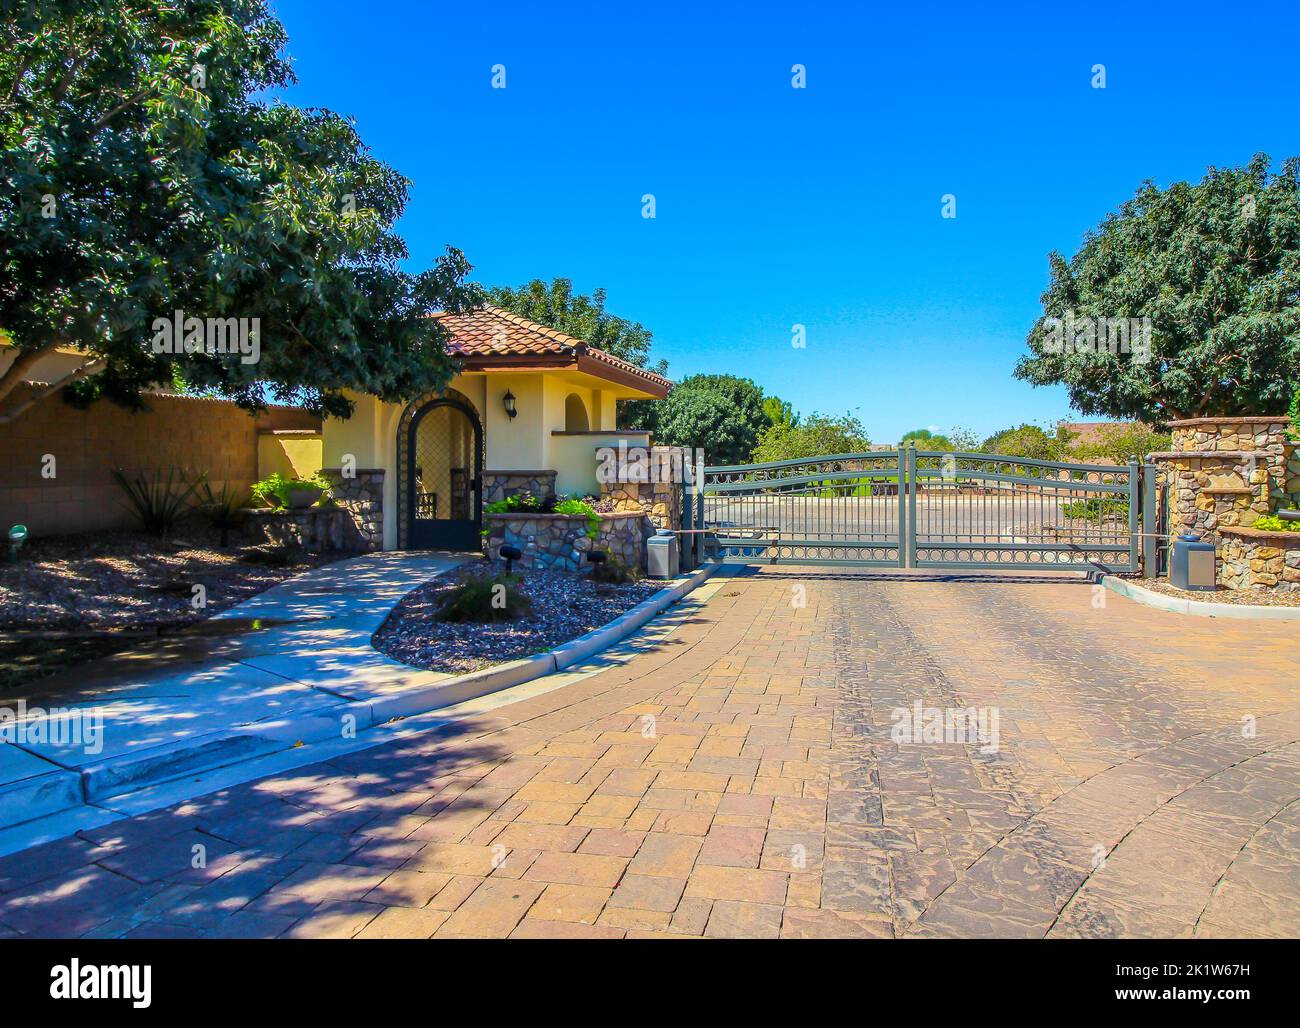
923, 508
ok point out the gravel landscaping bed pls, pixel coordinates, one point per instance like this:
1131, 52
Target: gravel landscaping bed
565, 606
1243, 597
71, 599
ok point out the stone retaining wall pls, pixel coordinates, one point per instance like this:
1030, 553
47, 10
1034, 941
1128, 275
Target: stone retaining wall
560, 541
1253, 559
314, 529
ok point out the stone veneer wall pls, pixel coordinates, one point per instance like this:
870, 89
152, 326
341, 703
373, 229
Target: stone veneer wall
1221, 475
497, 485
361, 498
560, 541
1227, 472
660, 501
1253, 559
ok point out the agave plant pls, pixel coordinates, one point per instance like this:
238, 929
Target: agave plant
159, 500
224, 507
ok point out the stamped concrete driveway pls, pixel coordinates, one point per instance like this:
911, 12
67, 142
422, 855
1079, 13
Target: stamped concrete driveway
740, 780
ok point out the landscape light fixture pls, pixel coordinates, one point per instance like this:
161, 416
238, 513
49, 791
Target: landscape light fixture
17, 536
510, 554
509, 401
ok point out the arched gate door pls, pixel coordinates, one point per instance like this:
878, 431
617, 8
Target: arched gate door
441, 444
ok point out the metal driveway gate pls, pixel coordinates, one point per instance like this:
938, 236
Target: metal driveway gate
923, 509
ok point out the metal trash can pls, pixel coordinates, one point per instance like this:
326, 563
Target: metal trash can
663, 554
1192, 564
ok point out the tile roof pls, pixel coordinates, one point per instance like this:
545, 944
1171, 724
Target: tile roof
480, 335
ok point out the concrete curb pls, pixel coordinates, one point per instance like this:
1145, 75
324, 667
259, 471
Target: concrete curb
585, 646
1198, 608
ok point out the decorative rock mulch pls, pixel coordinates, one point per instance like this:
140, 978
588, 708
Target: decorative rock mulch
129, 580
1245, 597
565, 606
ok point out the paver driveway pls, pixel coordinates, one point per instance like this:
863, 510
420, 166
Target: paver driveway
740, 780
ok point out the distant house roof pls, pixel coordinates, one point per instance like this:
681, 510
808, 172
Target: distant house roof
492, 339
1087, 432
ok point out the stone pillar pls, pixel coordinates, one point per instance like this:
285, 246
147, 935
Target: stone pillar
1224, 473
361, 497
649, 479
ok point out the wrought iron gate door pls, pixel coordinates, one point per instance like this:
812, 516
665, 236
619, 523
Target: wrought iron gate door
441, 451
842, 509
923, 508
970, 510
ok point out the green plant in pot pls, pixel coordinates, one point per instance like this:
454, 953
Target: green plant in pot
294, 493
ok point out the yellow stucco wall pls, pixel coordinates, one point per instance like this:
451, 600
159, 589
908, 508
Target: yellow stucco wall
292, 454
523, 443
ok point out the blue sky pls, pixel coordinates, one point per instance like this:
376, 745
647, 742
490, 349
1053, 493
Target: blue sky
820, 206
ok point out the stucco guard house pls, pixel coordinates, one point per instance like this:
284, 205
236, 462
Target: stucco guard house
528, 411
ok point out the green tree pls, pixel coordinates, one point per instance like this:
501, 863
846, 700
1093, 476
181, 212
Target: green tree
779, 412
144, 175
1215, 267
1027, 441
707, 419
739, 398
815, 436
927, 440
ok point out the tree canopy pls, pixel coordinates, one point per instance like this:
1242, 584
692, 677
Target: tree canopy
927, 440
703, 418
145, 175
732, 434
814, 436
1215, 266
1028, 441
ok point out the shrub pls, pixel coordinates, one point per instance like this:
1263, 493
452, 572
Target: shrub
613, 571
158, 501
528, 503
524, 501
582, 507
1273, 523
1095, 508
270, 555
484, 599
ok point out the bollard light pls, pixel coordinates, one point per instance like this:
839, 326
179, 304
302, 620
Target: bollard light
510, 554
17, 536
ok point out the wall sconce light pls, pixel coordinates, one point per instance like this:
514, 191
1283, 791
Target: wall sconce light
509, 401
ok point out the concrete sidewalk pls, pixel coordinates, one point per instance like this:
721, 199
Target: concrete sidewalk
295, 666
